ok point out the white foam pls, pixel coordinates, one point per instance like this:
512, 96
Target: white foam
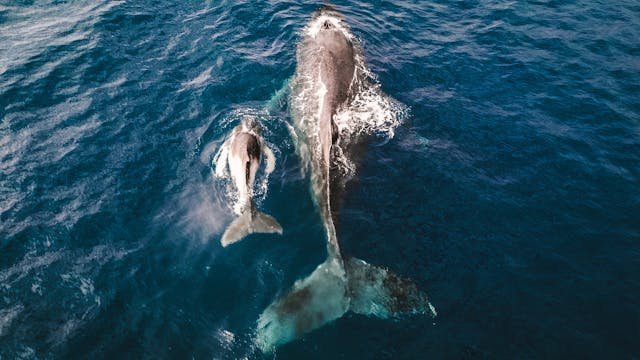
25, 352
29, 263
371, 112
7, 316
115, 83
192, 49
173, 42
197, 14
36, 286
225, 337
314, 26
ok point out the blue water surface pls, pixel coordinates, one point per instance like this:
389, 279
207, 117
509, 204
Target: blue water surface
510, 193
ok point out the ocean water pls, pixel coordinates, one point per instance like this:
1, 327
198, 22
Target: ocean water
510, 191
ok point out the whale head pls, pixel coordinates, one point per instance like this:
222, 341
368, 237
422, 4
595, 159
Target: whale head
250, 125
326, 19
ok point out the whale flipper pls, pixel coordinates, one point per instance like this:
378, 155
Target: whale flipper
248, 223
329, 292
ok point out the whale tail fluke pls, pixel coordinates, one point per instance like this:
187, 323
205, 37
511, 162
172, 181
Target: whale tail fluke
248, 223
329, 292
310, 303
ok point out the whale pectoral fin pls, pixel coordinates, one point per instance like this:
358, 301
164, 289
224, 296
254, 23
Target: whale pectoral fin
269, 158
221, 159
375, 291
311, 302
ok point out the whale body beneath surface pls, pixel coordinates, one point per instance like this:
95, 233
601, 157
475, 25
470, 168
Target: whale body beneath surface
327, 79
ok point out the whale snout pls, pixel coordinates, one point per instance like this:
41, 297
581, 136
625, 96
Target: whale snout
327, 25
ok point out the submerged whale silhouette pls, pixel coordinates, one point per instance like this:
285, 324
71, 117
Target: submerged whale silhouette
326, 68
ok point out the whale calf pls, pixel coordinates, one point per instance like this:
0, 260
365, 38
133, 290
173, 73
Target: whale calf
323, 85
241, 154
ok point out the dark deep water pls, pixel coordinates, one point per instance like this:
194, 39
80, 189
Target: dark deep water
510, 193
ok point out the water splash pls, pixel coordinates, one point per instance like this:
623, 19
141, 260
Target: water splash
7, 316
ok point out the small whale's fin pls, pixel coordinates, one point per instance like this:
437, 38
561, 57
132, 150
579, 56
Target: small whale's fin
332, 290
269, 158
220, 161
249, 223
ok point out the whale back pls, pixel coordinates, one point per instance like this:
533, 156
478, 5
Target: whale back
244, 160
338, 64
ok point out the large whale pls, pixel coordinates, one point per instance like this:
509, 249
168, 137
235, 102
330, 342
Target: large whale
324, 84
241, 154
